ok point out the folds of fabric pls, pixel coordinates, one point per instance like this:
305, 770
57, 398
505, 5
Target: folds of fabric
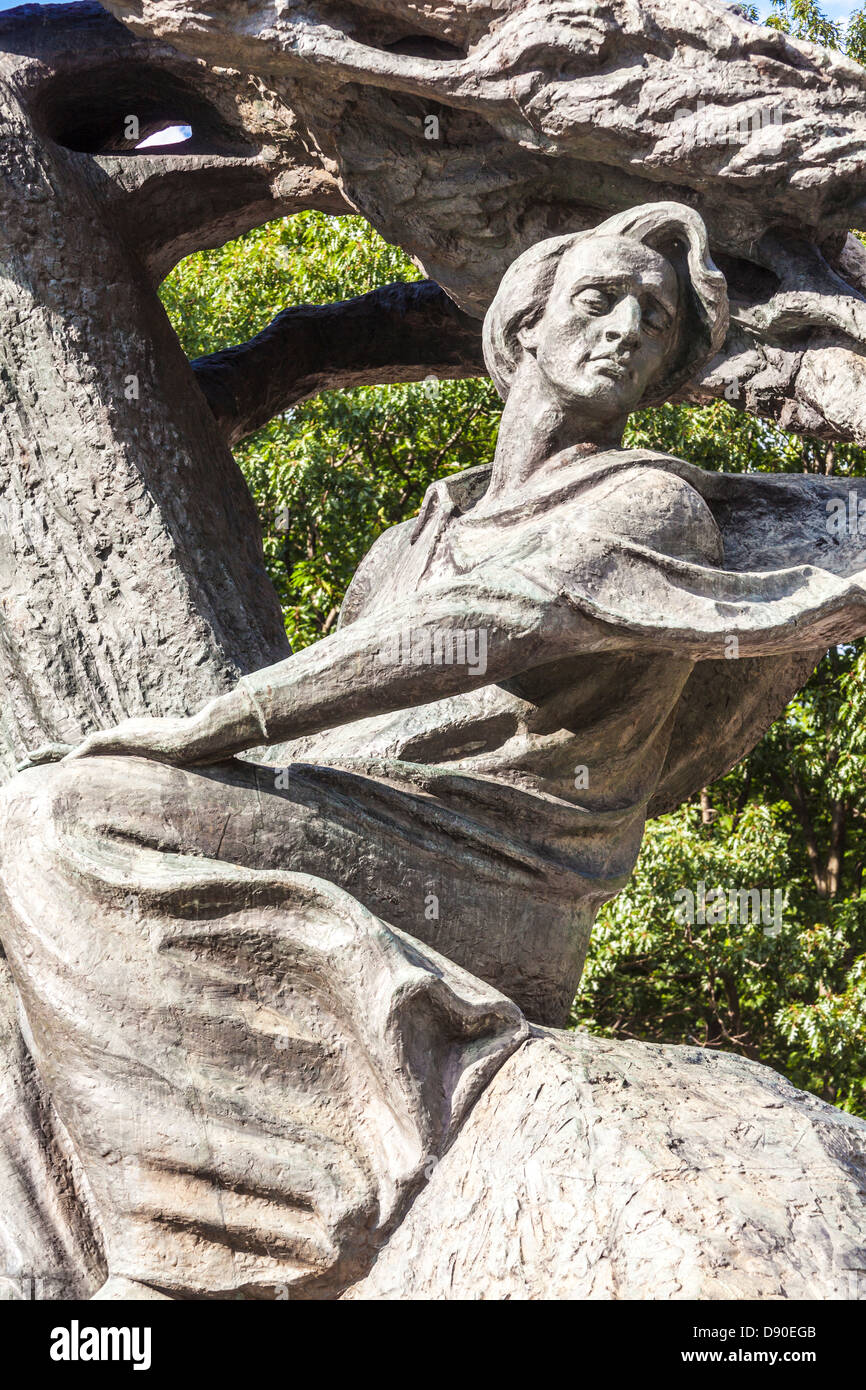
255, 1071
792, 583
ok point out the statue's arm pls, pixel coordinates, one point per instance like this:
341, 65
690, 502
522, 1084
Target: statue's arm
361, 671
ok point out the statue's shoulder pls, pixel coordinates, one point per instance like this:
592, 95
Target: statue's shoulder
683, 477
647, 502
633, 458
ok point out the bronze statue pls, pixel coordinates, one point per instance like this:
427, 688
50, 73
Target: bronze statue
219, 948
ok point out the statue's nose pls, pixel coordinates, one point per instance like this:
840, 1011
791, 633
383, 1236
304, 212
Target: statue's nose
623, 325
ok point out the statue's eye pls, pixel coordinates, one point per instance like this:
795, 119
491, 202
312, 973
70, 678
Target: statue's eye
655, 319
594, 301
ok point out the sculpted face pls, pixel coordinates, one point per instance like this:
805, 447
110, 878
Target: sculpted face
609, 325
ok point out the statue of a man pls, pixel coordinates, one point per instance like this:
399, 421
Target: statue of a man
220, 958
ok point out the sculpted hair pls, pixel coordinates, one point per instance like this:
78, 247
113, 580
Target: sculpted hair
677, 233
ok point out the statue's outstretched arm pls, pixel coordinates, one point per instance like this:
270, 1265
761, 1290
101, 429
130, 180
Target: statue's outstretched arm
373, 666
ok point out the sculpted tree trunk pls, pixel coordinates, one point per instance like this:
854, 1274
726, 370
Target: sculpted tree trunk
132, 575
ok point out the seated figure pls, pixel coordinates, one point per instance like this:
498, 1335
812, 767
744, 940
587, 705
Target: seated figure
271, 954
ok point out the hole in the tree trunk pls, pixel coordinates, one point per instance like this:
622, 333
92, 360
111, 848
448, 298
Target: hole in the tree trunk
169, 135
746, 280
380, 24
423, 46
119, 110
779, 52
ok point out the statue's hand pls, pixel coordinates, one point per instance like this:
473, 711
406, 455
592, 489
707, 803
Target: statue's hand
45, 753
173, 740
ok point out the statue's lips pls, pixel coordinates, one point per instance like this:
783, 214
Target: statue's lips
610, 367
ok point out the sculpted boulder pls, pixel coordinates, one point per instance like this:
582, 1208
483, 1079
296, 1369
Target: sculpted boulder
600, 1170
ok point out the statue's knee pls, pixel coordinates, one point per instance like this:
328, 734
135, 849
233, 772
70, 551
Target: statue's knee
22, 800
37, 797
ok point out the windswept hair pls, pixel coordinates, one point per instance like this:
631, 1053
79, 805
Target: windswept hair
678, 233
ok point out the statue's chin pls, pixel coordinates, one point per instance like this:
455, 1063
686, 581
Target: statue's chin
596, 398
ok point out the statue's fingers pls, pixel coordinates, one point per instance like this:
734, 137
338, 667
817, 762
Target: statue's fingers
45, 753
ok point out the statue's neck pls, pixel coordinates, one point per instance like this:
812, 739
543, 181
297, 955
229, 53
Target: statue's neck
536, 428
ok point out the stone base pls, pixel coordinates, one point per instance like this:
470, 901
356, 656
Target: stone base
593, 1169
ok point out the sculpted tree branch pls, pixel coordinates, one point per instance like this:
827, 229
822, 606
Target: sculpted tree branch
287, 117
94, 91
465, 132
403, 332
172, 205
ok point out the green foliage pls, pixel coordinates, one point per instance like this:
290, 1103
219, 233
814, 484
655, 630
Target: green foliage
795, 1000
334, 472
855, 37
218, 298
342, 468
804, 19
721, 438
654, 976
